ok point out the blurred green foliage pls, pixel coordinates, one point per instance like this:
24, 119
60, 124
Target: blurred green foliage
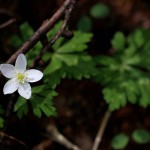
125, 75
99, 11
141, 136
119, 141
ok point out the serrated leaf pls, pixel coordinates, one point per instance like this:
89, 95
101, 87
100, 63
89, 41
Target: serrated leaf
118, 42
47, 110
37, 112
76, 44
42, 103
23, 110
136, 38
132, 91
68, 59
105, 60
38, 89
115, 98
84, 69
144, 87
141, 136
120, 141
21, 107
53, 66
99, 10
134, 60
54, 79
20, 102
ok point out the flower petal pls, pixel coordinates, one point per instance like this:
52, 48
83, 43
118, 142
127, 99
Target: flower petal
33, 75
10, 86
7, 70
25, 90
21, 62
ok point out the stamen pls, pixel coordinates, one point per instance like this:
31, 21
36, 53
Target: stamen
20, 77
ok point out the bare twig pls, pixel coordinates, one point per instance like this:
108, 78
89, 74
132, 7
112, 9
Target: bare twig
44, 28
2, 135
101, 130
8, 23
62, 32
55, 135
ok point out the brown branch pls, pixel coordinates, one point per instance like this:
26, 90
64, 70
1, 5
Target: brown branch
2, 135
8, 23
63, 32
101, 130
44, 28
56, 136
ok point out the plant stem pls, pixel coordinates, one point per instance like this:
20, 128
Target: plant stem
101, 130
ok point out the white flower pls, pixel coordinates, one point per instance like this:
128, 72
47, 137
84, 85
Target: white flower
19, 77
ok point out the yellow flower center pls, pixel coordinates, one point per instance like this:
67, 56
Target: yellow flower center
20, 77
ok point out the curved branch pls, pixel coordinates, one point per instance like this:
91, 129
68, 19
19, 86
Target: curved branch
44, 28
63, 32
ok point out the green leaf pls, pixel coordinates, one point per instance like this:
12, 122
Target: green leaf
48, 110
23, 110
1, 122
118, 42
84, 24
54, 78
58, 43
53, 66
136, 38
141, 136
114, 97
120, 141
55, 29
144, 88
37, 112
99, 11
77, 44
33, 53
26, 31
68, 59
20, 102
38, 89
84, 69
21, 107
131, 89
42, 103
105, 61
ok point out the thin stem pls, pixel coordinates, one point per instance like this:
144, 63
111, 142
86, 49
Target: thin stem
62, 32
56, 136
8, 23
101, 130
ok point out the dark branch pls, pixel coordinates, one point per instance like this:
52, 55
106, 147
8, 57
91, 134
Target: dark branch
44, 28
63, 32
8, 23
